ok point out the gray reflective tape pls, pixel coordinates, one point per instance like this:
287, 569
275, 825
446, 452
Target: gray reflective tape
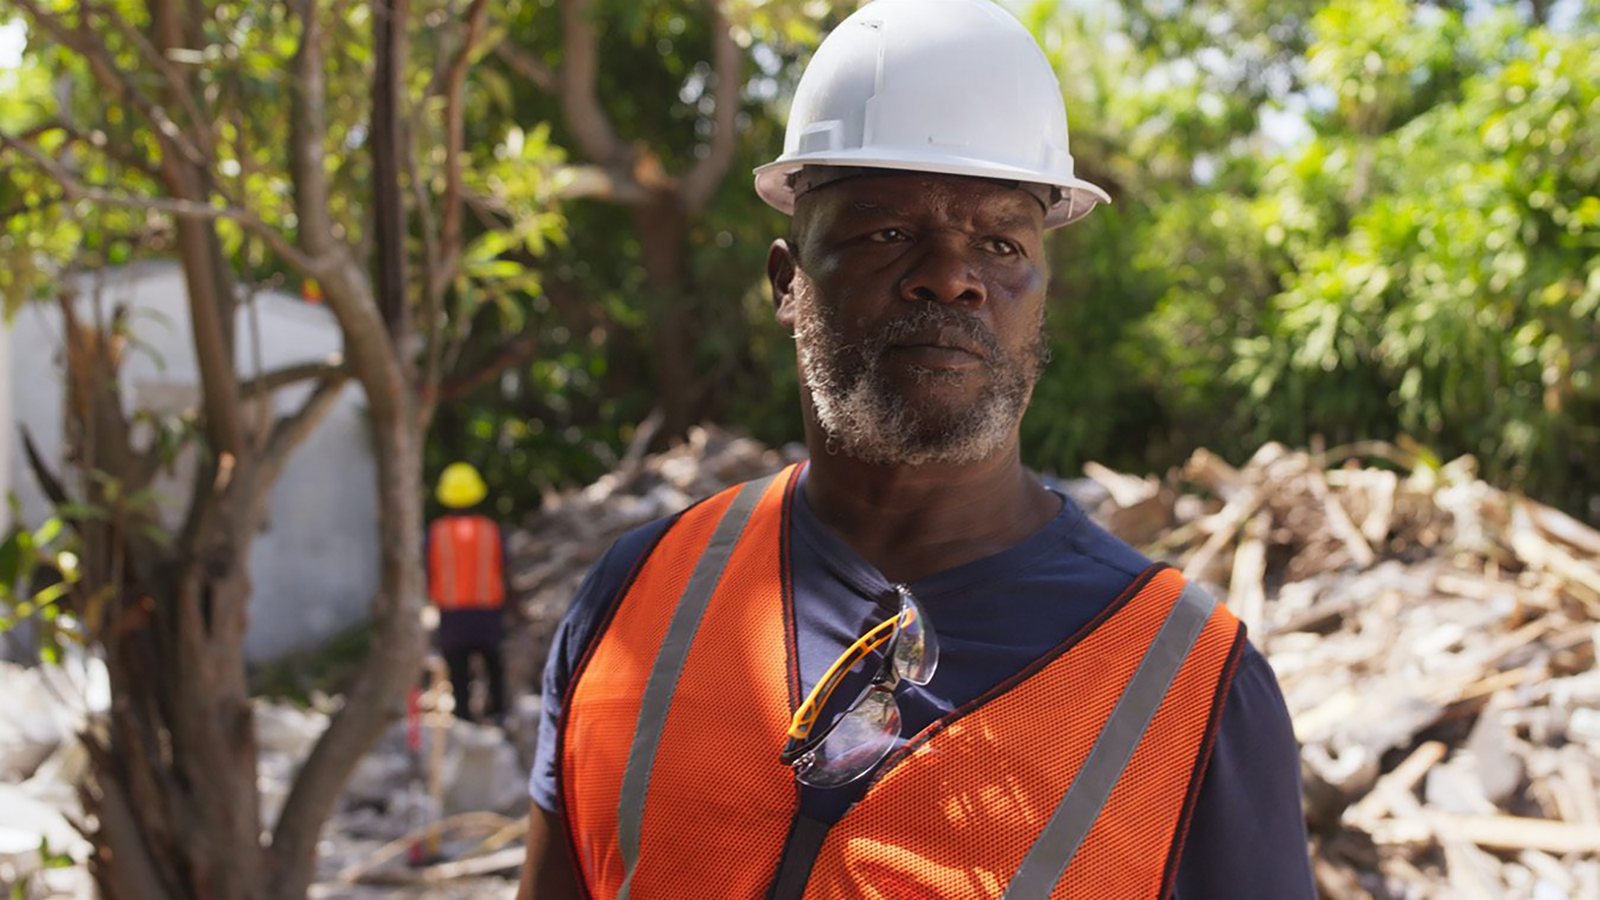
486, 542
668, 667
447, 563
1053, 850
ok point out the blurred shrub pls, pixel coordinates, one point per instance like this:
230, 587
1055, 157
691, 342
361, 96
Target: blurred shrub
1424, 265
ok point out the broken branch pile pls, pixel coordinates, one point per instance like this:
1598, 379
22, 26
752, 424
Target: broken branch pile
1435, 641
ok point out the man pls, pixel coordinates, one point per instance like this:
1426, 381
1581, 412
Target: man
907, 669
467, 582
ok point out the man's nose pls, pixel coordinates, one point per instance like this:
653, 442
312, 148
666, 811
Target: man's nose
944, 272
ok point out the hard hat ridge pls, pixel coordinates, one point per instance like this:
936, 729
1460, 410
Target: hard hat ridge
810, 178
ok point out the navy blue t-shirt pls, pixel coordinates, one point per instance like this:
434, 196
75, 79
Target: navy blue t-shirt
992, 617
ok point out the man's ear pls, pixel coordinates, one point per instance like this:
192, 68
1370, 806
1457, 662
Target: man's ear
782, 267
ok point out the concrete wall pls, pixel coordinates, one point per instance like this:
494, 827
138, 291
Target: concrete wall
314, 564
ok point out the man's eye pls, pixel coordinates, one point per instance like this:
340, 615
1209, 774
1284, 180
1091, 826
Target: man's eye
1001, 247
890, 236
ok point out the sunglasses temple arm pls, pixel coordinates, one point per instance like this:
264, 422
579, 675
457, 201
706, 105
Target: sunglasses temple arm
806, 715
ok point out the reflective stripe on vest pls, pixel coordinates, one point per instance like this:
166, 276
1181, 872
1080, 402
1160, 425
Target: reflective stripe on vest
465, 565
1074, 778
710, 802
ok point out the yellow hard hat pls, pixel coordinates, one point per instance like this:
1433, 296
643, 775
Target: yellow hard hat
461, 486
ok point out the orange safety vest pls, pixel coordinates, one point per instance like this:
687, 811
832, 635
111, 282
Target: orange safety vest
1074, 778
465, 564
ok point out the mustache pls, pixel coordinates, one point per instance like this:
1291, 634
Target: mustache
932, 318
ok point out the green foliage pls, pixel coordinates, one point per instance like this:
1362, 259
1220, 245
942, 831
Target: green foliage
38, 570
1414, 256
1438, 279
1423, 266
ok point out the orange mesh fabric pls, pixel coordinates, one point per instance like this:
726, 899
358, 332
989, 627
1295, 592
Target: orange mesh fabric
1125, 854
956, 816
465, 564
604, 704
720, 803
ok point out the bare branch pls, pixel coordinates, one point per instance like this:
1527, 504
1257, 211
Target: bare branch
432, 296
49, 482
177, 84
523, 63
511, 352
96, 142
455, 145
291, 431
578, 182
389, 225
727, 69
347, 287
308, 132
580, 98
88, 45
288, 375
189, 208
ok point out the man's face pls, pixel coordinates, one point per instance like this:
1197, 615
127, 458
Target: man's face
917, 303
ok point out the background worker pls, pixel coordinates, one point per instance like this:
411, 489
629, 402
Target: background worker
467, 581
907, 668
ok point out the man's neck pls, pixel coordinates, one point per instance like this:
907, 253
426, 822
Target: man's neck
913, 522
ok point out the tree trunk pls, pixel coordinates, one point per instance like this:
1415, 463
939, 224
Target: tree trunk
662, 226
173, 784
174, 775
378, 698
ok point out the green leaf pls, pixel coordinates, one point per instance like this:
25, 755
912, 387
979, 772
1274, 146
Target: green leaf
51, 594
11, 561
47, 532
83, 512
498, 87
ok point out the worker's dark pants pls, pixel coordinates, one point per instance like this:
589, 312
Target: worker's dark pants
463, 634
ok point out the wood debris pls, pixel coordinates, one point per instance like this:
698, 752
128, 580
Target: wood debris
1435, 640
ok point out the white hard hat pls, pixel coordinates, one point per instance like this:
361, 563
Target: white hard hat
957, 87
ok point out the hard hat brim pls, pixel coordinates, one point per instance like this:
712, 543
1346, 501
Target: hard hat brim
1079, 197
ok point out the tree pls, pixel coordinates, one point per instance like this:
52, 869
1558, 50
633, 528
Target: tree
673, 75
566, 416
308, 143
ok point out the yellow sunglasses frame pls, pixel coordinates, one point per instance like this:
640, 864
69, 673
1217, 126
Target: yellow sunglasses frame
805, 717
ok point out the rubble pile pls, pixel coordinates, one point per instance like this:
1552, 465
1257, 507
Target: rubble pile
41, 851
462, 793
435, 822
1435, 640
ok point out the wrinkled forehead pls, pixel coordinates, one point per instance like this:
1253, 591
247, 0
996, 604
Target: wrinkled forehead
952, 199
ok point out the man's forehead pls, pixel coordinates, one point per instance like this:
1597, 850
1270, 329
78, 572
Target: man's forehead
926, 193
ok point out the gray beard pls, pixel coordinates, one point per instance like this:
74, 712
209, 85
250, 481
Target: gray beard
864, 416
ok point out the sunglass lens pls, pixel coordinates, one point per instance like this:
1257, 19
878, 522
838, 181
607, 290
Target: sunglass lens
916, 650
855, 745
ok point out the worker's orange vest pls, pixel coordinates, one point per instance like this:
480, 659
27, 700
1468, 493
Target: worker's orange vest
1075, 778
465, 568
